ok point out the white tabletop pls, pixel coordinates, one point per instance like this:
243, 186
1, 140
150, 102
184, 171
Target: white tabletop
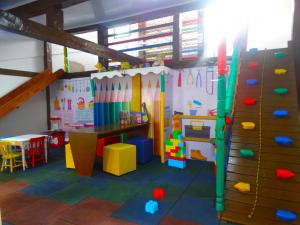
25, 137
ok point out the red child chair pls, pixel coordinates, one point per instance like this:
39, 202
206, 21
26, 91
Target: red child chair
36, 151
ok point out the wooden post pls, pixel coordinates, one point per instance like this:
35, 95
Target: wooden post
103, 40
176, 38
54, 19
220, 124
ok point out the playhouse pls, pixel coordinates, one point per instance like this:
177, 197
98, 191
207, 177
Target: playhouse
158, 112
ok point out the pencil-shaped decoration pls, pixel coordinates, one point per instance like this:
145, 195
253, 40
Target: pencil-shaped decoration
149, 104
112, 104
107, 106
101, 107
96, 100
126, 101
157, 119
119, 103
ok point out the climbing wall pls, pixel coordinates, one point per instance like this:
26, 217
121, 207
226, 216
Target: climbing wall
263, 174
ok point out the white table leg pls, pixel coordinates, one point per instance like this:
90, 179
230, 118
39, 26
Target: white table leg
23, 156
46, 149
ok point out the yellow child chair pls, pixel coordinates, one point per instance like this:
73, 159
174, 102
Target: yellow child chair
9, 157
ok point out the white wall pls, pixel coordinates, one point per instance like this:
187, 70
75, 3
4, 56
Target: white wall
21, 53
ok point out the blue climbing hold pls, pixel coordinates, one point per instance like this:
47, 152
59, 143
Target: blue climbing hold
281, 113
253, 50
282, 140
252, 82
286, 215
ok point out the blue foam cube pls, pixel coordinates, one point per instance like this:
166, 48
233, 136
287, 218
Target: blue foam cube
281, 113
180, 137
151, 206
252, 82
177, 163
286, 215
282, 140
144, 149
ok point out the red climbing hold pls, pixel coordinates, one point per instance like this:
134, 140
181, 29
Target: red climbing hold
249, 101
252, 64
227, 120
284, 174
158, 193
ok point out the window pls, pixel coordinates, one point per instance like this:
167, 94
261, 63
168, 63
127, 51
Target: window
145, 39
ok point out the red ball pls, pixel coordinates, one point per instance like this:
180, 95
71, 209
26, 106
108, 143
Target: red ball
158, 193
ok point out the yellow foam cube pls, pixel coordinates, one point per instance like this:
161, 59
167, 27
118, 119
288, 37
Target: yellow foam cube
69, 157
119, 158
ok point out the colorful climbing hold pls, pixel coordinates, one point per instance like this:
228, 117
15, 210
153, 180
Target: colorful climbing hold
227, 120
279, 54
248, 125
252, 64
281, 113
286, 215
247, 153
280, 71
283, 140
284, 174
281, 91
249, 101
252, 82
242, 187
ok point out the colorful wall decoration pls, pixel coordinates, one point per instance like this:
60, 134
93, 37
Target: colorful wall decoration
72, 101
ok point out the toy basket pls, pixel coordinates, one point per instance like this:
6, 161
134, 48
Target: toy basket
196, 129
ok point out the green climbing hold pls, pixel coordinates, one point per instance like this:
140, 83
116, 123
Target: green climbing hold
279, 54
281, 91
248, 153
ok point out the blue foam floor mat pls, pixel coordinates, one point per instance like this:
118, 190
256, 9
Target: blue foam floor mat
176, 178
134, 210
45, 188
200, 211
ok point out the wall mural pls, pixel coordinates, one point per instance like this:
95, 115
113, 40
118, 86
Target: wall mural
72, 101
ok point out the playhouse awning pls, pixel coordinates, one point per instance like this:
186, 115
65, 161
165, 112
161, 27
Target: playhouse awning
131, 72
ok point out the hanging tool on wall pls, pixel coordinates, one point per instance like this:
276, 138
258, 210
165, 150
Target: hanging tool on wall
210, 77
190, 80
198, 80
179, 79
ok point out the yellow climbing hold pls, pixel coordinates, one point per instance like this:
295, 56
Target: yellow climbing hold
280, 71
248, 125
242, 187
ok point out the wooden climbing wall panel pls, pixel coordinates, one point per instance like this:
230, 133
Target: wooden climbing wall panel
268, 191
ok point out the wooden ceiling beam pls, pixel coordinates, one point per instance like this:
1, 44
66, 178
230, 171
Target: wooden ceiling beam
40, 7
18, 73
12, 23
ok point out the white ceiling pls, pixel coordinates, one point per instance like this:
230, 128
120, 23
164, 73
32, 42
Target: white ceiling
98, 11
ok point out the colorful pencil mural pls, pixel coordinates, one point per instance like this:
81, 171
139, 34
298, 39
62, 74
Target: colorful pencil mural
157, 119
101, 107
119, 100
148, 99
112, 104
107, 106
126, 101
